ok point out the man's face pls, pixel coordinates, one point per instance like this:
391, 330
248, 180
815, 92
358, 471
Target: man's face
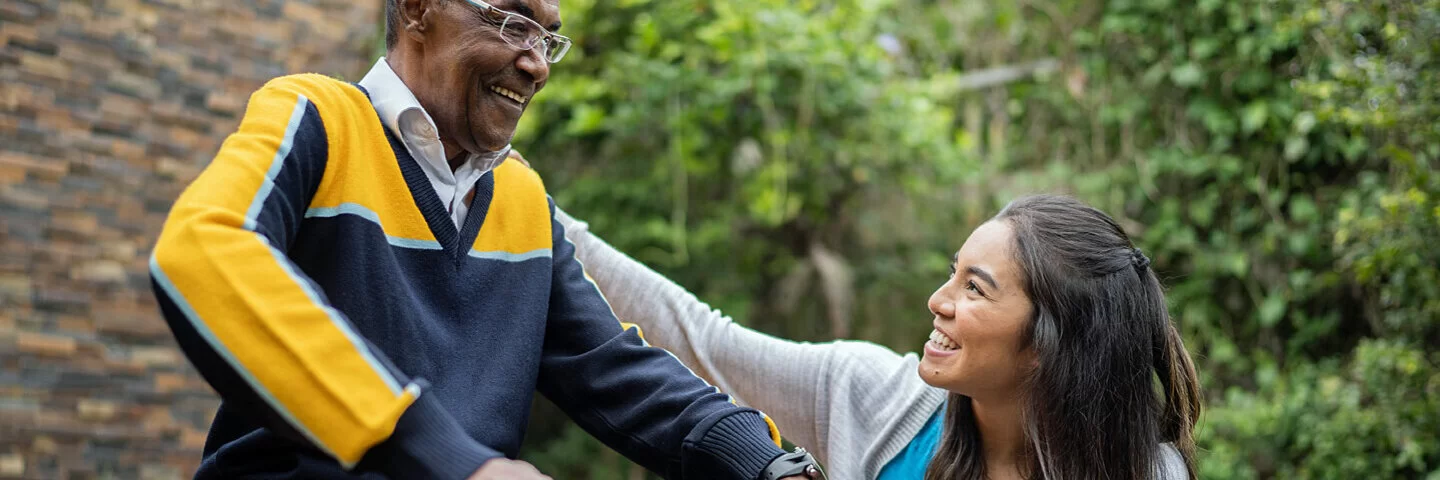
472, 74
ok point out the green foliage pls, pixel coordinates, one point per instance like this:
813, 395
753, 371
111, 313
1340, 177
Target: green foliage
724, 140
1276, 160
1375, 418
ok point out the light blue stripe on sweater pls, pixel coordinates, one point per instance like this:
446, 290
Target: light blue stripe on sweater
365, 213
286, 143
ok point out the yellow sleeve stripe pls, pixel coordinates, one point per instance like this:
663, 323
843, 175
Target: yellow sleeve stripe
411, 392
256, 311
774, 430
638, 331
335, 319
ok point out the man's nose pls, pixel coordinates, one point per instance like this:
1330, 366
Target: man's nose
533, 62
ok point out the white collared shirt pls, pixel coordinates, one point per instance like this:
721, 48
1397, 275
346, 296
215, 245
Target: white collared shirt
403, 115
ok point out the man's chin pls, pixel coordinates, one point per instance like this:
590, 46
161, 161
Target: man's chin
487, 142
492, 128
492, 140
495, 146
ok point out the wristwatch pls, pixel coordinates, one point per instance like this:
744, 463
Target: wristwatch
798, 462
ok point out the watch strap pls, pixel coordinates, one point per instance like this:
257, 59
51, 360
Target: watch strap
798, 462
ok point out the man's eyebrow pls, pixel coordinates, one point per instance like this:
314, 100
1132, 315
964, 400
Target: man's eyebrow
528, 12
525, 10
984, 275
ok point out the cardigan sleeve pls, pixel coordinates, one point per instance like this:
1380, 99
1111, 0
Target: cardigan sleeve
854, 404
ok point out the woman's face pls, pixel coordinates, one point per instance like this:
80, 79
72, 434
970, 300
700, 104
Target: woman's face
981, 313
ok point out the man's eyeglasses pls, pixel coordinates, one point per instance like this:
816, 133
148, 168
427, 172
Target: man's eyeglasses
523, 33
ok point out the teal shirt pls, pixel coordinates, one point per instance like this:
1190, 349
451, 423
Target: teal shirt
910, 463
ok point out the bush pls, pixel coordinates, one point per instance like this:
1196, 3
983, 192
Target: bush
1275, 159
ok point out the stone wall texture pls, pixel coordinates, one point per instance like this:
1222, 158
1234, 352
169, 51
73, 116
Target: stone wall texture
108, 108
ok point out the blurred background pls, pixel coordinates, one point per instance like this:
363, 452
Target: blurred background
808, 167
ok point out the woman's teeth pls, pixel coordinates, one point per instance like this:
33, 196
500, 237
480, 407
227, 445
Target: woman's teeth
940, 341
508, 93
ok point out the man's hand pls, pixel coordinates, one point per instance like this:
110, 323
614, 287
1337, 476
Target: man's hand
516, 155
506, 469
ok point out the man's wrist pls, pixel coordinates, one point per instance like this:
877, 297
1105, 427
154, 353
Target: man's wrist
734, 443
428, 443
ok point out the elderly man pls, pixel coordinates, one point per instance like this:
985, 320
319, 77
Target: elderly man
376, 291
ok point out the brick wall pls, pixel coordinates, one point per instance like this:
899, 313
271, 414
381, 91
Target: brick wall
107, 109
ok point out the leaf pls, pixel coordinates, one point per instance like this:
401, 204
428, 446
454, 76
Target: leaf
587, 119
1187, 75
1304, 122
1238, 264
1299, 244
1303, 209
1271, 310
1202, 212
1254, 117
1295, 147
1205, 47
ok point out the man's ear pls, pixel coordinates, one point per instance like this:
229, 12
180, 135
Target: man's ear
415, 17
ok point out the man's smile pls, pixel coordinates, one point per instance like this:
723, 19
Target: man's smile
508, 93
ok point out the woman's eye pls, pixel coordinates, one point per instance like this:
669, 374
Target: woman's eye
971, 286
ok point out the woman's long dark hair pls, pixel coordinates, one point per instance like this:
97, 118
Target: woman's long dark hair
1102, 335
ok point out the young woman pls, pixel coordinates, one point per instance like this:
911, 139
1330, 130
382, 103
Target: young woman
1049, 338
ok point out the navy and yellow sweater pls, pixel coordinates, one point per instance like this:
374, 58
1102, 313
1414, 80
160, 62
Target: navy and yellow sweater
317, 282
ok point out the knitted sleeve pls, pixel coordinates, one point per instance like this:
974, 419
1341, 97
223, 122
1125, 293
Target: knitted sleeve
636, 398
259, 330
854, 404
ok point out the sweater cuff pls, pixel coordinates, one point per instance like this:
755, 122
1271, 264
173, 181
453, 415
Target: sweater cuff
428, 443
732, 444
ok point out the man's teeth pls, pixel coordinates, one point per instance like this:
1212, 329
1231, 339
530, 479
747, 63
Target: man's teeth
508, 93
942, 341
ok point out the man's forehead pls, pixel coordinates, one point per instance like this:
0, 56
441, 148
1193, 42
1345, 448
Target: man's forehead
544, 12
537, 6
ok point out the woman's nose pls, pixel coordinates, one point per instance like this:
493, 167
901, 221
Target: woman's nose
941, 306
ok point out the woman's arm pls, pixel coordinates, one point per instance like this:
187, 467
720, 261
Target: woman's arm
848, 402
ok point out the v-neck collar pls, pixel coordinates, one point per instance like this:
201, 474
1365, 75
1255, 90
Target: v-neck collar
456, 242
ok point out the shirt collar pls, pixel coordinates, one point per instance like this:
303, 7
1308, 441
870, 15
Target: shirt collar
390, 96
392, 99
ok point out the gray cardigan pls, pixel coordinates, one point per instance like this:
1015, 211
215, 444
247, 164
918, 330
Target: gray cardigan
854, 404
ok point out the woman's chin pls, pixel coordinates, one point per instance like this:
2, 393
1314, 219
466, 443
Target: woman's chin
933, 371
